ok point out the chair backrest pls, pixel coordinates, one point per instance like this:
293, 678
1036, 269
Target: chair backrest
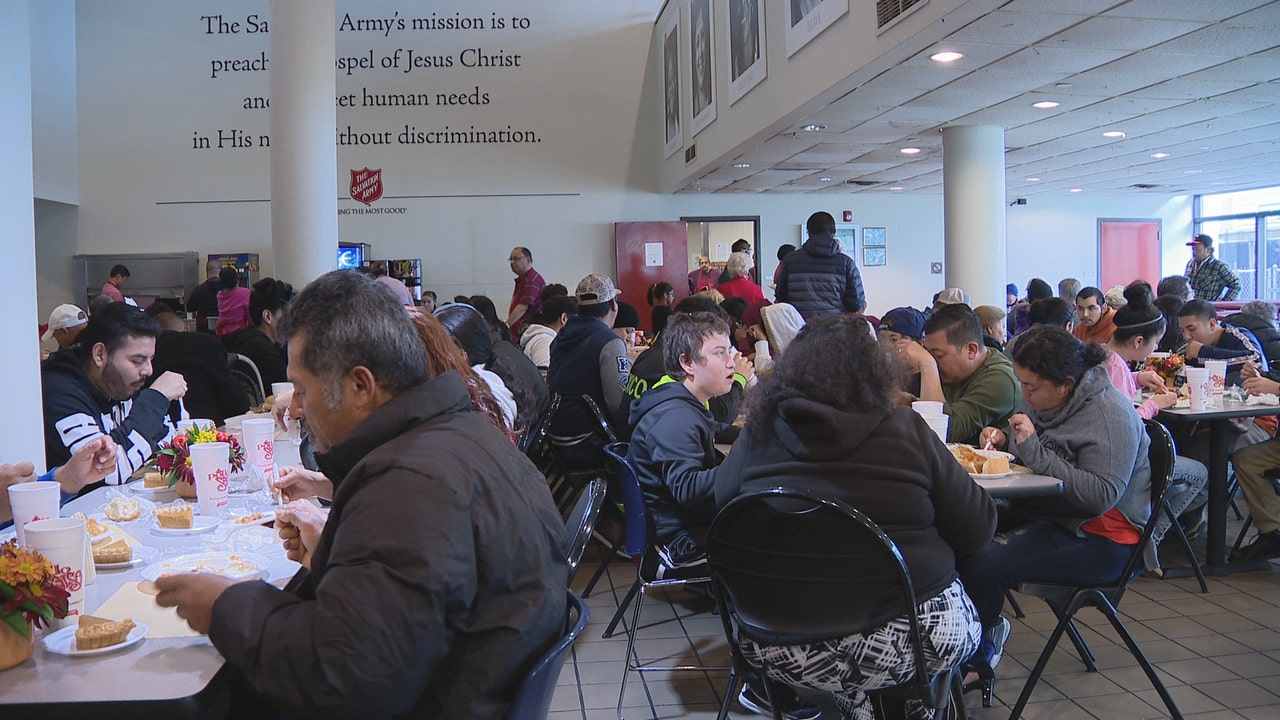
577, 530
532, 700
252, 389
1161, 454
606, 429
628, 483
534, 440
236, 361
790, 566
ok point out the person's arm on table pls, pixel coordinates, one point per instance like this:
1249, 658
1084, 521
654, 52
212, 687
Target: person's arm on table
1098, 482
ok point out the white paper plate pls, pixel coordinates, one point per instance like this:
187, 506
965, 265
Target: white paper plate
987, 453
233, 566
141, 554
63, 642
140, 489
199, 524
101, 538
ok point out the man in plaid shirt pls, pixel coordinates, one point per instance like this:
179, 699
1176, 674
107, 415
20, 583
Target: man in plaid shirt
1210, 276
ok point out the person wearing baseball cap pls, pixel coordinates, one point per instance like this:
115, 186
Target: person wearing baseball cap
898, 328
587, 358
1211, 279
65, 324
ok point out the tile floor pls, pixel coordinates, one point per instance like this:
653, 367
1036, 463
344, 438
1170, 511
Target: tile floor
1219, 655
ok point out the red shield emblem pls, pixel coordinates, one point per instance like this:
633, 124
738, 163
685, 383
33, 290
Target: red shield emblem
366, 185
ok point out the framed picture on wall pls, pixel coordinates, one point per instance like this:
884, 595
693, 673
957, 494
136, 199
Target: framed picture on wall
873, 256
806, 19
669, 31
872, 237
701, 65
747, 61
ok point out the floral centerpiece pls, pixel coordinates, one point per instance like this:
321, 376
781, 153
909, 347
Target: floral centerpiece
1167, 367
29, 596
173, 460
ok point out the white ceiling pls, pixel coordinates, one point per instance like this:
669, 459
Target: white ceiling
1196, 79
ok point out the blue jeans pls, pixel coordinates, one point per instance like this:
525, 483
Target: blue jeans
1038, 551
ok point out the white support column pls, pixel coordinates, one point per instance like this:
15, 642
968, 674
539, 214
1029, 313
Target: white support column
304, 156
974, 211
21, 427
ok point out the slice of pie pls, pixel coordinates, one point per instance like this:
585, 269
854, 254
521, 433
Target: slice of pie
95, 632
113, 552
174, 516
154, 480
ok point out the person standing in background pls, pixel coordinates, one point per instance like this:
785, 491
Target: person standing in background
526, 300
703, 278
111, 288
1211, 279
233, 303
204, 299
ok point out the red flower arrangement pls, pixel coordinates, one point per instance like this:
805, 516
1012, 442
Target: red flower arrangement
173, 460
1167, 367
29, 594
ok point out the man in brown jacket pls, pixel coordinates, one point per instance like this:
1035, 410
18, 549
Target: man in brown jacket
437, 580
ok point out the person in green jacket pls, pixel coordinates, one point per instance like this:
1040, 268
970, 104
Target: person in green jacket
976, 384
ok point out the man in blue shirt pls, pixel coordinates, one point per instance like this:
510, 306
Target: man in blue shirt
91, 462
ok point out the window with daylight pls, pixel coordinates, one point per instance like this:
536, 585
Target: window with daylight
1246, 232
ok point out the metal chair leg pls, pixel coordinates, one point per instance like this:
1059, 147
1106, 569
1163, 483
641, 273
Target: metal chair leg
610, 554
1186, 546
622, 608
632, 663
1013, 603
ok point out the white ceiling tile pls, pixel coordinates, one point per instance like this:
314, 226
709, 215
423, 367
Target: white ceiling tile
1267, 16
1098, 83
1066, 7
1184, 9
1255, 68
1066, 60
1013, 28
1114, 33
918, 78
976, 55
1156, 64
1184, 89
1224, 40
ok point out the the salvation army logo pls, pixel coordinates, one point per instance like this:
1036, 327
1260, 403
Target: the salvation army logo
366, 185
219, 477
268, 448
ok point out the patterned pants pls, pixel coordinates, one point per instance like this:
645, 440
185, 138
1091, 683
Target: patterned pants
849, 666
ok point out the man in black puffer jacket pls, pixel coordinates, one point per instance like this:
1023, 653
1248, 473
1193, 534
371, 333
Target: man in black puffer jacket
1263, 328
818, 279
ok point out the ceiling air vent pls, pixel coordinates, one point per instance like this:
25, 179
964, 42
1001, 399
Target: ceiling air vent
889, 10
1143, 186
861, 183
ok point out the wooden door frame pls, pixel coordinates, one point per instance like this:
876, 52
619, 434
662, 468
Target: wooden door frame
754, 219
1098, 245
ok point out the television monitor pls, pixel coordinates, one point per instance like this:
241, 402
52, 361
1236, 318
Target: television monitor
351, 256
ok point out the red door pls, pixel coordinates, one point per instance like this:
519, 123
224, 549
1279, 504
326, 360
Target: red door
649, 252
1128, 250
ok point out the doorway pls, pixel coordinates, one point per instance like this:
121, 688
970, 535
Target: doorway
1128, 250
714, 237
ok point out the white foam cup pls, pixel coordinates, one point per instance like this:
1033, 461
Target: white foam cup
33, 501
61, 541
1218, 378
927, 408
938, 424
1200, 385
211, 465
260, 444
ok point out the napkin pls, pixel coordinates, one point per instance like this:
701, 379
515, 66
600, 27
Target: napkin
130, 602
1264, 399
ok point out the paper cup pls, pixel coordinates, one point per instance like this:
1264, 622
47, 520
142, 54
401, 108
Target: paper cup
280, 388
1217, 378
33, 501
260, 444
61, 541
211, 465
1200, 385
938, 424
927, 408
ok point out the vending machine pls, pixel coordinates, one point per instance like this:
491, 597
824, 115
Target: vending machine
410, 273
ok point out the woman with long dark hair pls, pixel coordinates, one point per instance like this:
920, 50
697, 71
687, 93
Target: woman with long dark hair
812, 424
661, 297
511, 375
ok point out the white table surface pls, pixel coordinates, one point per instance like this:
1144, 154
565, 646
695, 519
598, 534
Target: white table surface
156, 669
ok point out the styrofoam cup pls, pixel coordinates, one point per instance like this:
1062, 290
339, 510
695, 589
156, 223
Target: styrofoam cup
927, 408
211, 465
1200, 385
938, 424
33, 501
1218, 378
280, 388
61, 541
260, 444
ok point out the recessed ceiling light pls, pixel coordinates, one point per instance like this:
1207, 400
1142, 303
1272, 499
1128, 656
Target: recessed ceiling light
1033, 179
824, 179
910, 151
1045, 105
1063, 85
742, 165
813, 128
1159, 156
1113, 134
1192, 172
1077, 189
896, 187
946, 56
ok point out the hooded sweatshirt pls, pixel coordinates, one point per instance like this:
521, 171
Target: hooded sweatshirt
674, 455
820, 280
1096, 445
75, 411
536, 343
648, 371
889, 465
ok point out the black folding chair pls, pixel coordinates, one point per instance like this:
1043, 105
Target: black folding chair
1163, 454
792, 567
242, 364
532, 700
1066, 600
577, 530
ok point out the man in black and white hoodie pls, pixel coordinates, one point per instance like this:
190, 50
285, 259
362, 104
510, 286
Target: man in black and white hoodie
98, 387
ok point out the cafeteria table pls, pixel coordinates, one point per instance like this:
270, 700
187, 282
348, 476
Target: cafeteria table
1218, 419
174, 677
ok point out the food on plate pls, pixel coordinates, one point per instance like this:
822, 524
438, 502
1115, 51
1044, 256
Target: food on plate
174, 516
248, 519
95, 528
979, 463
113, 552
95, 632
266, 405
229, 566
154, 480
122, 509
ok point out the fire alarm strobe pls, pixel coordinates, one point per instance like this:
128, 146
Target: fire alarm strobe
848, 216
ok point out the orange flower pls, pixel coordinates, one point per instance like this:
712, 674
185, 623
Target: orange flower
19, 566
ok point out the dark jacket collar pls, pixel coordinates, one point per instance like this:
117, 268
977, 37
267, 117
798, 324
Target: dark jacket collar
438, 396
